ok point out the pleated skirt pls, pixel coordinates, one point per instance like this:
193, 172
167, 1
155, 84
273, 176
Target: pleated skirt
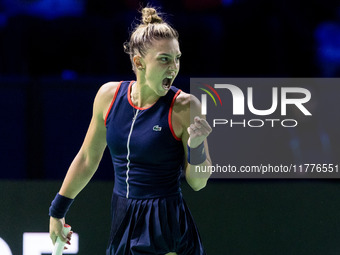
153, 226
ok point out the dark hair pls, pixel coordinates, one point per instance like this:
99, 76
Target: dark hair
152, 27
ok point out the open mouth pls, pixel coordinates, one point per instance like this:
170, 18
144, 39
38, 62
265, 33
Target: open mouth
167, 82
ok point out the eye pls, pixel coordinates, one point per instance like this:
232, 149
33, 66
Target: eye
164, 59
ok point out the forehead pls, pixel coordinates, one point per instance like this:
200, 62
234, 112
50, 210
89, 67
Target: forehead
168, 46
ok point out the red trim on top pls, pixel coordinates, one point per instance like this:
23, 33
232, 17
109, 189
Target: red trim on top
113, 100
130, 101
170, 114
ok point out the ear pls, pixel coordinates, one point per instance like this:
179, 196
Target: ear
138, 62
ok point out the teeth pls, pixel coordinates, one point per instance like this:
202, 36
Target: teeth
169, 77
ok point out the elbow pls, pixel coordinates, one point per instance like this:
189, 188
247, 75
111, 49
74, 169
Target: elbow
198, 184
87, 163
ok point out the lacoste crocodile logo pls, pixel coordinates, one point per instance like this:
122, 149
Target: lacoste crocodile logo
157, 128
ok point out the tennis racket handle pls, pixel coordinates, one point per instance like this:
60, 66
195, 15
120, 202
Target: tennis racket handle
59, 245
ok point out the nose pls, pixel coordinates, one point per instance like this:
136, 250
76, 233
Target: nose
174, 65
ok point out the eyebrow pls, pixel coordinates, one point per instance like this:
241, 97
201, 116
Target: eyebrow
169, 55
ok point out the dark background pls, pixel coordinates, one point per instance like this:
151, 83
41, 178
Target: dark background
54, 56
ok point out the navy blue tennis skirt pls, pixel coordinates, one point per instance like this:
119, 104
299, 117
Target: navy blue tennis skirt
153, 226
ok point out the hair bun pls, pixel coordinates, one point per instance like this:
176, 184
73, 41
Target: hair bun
149, 16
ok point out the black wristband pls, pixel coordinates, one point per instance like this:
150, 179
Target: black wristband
196, 155
60, 206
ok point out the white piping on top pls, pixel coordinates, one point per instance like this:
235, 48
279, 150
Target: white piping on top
128, 154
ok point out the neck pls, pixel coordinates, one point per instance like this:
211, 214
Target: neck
142, 96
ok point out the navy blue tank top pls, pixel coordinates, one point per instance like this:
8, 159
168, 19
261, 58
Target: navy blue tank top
147, 155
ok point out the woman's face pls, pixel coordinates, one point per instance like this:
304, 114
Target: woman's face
161, 65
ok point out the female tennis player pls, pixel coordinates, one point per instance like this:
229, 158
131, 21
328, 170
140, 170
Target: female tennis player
147, 126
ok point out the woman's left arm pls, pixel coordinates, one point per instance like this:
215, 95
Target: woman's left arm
193, 130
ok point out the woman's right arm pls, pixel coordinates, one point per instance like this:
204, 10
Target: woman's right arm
88, 158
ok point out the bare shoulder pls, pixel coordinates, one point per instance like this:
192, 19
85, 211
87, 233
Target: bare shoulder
104, 97
107, 91
185, 103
